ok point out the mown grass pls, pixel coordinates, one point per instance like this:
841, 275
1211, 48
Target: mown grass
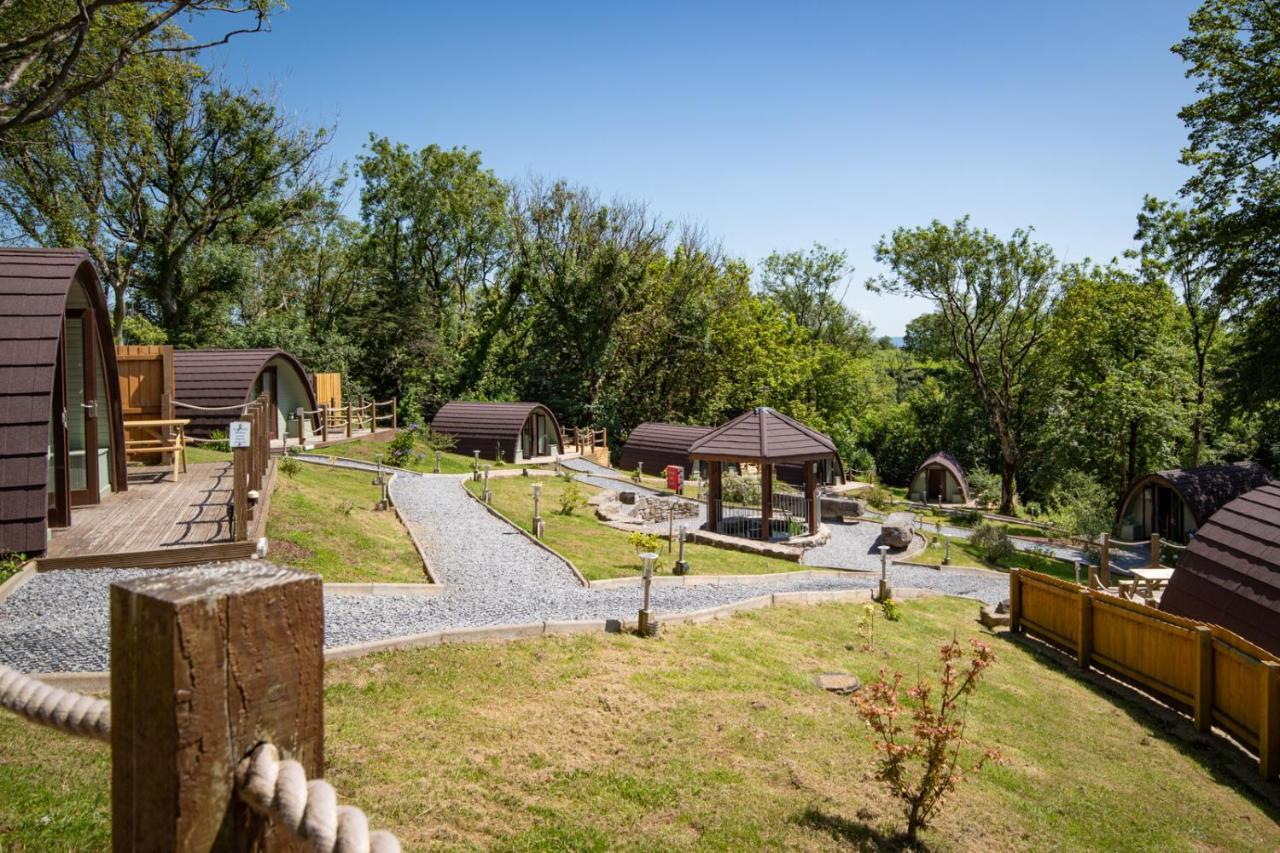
369, 449
324, 520
600, 551
965, 555
708, 737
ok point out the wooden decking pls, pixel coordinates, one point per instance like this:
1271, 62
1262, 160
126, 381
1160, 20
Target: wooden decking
156, 522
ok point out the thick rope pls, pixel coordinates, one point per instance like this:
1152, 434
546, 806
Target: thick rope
64, 710
309, 809
236, 408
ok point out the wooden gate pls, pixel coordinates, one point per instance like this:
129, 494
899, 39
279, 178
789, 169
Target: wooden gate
146, 390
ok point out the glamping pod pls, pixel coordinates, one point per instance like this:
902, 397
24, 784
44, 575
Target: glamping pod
61, 430
658, 445
940, 478
1230, 573
1177, 502
514, 431
214, 381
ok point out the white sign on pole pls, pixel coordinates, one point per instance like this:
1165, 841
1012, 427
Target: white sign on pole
238, 433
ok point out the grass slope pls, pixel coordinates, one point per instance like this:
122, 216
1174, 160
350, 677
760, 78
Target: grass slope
323, 520
709, 737
369, 449
605, 552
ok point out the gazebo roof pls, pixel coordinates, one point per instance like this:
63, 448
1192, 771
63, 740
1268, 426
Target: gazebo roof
765, 436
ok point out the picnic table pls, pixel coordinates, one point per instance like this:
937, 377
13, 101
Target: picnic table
1151, 579
175, 448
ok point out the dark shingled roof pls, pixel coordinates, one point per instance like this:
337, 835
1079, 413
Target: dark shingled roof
1204, 489
658, 445
946, 460
1230, 573
34, 284
487, 426
763, 435
215, 378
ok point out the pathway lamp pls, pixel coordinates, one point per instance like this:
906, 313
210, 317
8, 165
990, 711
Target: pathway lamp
885, 592
475, 465
537, 516
648, 627
946, 555
488, 497
682, 566
437, 461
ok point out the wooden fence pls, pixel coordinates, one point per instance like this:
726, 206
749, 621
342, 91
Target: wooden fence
339, 422
329, 389
146, 390
249, 467
1216, 676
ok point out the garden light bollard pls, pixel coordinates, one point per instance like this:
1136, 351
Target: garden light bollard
647, 626
946, 554
885, 594
537, 517
1075, 564
380, 480
671, 526
682, 565
437, 461
488, 498
475, 466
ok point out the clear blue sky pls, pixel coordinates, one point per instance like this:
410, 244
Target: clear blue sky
771, 125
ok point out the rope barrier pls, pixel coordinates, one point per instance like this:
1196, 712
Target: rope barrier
237, 408
309, 809
64, 710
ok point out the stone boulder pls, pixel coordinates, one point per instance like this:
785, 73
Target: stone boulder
836, 507
898, 530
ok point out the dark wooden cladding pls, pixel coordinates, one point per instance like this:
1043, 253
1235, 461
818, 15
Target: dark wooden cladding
486, 427
34, 287
1230, 573
214, 378
658, 445
946, 460
763, 435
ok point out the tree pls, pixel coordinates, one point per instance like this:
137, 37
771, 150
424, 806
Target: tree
55, 51
1173, 251
993, 296
805, 285
1233, 51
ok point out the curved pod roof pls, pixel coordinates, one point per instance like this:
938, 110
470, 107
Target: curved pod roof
658, 445
34, 287
489, 426
766, 436
1230, 573
219, 378
951, 464
1204, 489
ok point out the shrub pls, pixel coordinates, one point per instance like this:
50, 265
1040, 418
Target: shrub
1080, 505
735, 488
571, 498
878, 497
984, 486
290, 466
892, 611
921, 763
218, 441
10, 565
401, 448
967, 518
992, 542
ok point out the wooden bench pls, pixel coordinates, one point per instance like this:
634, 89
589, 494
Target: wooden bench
175, 448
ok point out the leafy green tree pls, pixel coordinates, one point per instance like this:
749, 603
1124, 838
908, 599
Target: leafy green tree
993, 296
53, 52
811, 287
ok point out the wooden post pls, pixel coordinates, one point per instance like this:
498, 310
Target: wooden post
1015, 601
360, 409
1105, 560
1093, 576
240, 493
1269, 721
204, 666
811, 496
324, 424
348, 419
715, 491
1084, 643
1155, 550
766, 501
1203, 695
395, 421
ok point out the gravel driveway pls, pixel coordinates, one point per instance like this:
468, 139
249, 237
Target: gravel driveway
58, 621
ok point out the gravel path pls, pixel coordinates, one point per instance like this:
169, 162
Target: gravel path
493, 576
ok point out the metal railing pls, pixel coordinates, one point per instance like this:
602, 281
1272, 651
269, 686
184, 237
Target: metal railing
789, 517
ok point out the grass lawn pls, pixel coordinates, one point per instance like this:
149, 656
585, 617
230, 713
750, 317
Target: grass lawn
710, 737
369, 449
197, 453
604, 552
323, 520
964, 554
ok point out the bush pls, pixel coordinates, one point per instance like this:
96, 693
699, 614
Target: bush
967, 518
1080, 505
738, 489
401, 449
290, 466
984, 486
647, 543
920, 763
571, 498
10, 565
878, 497
218, 441
992, 542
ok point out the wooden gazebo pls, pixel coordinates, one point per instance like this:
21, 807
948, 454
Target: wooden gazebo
765, 438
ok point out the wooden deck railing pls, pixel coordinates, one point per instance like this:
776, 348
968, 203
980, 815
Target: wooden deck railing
249, 467
1219, 678
338, 421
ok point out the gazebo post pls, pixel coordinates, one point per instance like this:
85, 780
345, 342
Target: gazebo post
766, 501
714, 490
811, 495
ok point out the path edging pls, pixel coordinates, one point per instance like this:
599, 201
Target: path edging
527, 535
